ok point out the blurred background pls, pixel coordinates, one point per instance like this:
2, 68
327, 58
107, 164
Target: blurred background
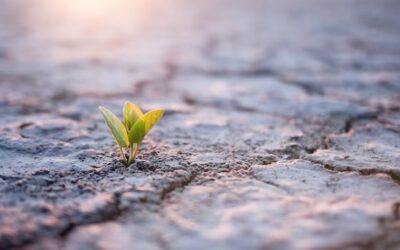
116, 46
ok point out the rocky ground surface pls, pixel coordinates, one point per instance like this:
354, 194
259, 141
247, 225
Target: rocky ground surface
282, 125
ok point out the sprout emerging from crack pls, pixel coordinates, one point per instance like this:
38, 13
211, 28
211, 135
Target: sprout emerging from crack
130, 134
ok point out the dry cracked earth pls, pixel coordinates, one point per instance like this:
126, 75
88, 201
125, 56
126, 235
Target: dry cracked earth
282, 125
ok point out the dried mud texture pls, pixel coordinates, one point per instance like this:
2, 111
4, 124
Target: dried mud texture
282, 125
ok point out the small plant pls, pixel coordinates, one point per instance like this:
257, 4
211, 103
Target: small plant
130, 134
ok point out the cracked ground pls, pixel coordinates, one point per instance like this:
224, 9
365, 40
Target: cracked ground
282, 124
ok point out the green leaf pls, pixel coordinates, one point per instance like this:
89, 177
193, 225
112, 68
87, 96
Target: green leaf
144, 125
131, 114
116, 127
136, 134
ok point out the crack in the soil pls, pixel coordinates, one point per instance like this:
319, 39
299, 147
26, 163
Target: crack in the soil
349, 123
252, 72
394, 175
110, 211
177, 184
307, 87
114, 212
348, 126
117, 211
387, 239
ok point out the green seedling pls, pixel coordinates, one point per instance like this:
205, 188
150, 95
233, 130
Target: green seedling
130, 133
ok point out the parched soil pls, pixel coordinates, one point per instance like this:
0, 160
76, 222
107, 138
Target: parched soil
282, 124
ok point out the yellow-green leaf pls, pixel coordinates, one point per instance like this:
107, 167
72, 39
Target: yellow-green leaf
116, 127
131, 114
151, 118
144, 125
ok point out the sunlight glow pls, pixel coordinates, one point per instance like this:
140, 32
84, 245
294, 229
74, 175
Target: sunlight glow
97, 9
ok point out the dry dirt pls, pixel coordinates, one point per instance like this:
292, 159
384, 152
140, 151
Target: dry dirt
282, 128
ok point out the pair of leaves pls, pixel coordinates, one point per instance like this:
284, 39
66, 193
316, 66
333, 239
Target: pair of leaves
137, 124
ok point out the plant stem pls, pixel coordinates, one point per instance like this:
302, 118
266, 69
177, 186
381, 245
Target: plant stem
136, 150
131, 154
123, 156
133, 151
